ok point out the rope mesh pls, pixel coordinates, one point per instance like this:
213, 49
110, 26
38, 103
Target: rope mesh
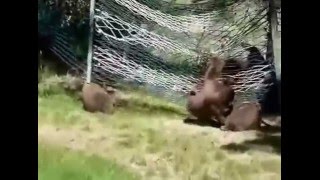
137, 41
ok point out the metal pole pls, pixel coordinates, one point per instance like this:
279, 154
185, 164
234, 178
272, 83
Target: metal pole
89, 57
276, 38
276, 42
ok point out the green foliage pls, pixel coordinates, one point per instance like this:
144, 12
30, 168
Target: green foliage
70, 17
47, 17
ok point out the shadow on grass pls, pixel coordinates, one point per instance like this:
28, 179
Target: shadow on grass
210, 123
257, 144
150, 109
271, 129
203, 123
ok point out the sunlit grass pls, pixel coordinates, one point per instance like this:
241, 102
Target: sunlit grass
61, 164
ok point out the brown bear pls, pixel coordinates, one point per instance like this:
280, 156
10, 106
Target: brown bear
215, 99
74, 84
219, 93
246, 116
96, 99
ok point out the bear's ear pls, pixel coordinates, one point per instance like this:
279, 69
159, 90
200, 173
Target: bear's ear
258, 105
104, 86
192, 93
227, 81
110, 90
73, 72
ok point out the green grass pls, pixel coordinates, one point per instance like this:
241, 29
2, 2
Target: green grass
59, 164
147, 137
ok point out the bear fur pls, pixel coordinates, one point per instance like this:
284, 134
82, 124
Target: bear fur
246, 116
96, 99
215, 99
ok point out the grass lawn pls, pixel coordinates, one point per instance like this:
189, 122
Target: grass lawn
57, 163
146, 138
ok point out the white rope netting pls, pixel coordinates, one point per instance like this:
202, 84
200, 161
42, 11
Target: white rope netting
105, 22
141, 43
